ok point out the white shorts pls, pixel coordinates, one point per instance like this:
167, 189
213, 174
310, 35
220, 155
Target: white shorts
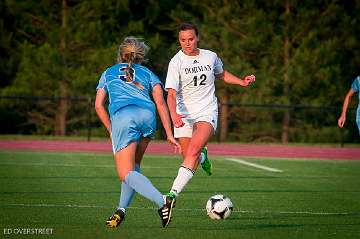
187, 130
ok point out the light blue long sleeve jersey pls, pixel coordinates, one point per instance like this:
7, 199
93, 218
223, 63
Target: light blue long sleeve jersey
355, 86
122, 92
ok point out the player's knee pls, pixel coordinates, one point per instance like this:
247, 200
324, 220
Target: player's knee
121, 178
123, 175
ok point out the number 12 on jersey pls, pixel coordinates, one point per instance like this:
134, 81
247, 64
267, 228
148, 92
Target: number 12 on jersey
200, 81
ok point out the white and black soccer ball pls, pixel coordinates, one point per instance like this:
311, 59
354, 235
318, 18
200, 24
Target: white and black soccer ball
219, 207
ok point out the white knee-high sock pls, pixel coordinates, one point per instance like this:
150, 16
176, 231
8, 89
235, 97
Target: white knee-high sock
183, 177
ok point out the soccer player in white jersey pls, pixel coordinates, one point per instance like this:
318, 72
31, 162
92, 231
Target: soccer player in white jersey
131, 122
355, 87
192, 103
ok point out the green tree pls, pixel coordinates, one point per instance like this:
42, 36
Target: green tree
307, 45
233, 29
302, 52
296, 49
66, 43
8, 53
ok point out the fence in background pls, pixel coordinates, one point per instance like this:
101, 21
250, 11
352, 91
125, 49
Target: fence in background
242, 123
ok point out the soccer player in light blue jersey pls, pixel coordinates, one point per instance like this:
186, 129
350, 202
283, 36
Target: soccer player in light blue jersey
131, 123
355, 87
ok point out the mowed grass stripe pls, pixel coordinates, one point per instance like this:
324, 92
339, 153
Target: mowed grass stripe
178, 209
309, 199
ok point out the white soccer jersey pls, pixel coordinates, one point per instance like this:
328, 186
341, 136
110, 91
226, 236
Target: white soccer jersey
193, 79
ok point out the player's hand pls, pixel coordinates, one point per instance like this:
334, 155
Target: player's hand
249, 79
177, 121
175, 144
341, 121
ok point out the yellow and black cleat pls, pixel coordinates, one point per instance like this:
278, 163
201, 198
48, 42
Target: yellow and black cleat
115, 219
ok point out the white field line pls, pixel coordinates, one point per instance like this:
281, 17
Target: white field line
254, 165
178, 209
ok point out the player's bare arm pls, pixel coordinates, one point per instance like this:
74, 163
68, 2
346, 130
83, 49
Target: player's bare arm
164, 115
100, 109
171, 101
229, 78
342, 118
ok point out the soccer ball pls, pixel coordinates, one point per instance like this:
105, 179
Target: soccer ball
219, 207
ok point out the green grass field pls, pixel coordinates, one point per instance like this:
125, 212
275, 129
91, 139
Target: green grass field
73, 193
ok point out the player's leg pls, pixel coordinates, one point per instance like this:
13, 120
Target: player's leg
140, 183
184, 143
166, 210
184, 175
125, 161
127, 192
201, 134
187, 131
211, 117
183, 134
126, 195
203, 159
128, 150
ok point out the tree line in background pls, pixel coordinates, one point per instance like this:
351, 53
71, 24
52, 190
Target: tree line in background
302, 52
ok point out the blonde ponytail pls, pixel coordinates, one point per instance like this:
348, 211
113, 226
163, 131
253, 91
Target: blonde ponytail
132, 51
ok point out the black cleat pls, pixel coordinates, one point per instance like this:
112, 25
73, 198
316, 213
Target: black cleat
165, 211
116, 219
